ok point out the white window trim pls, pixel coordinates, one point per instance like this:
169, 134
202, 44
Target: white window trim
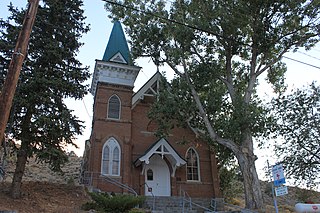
119, 108
111, 143
198, 163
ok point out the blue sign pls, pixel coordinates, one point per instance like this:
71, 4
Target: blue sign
279, 182
278, 175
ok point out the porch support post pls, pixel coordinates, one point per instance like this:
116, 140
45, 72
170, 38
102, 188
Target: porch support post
142, 184
174, 191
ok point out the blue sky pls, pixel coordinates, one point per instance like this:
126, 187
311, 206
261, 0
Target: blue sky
96, 40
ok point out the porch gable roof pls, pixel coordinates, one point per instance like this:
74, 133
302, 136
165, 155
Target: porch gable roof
163, 148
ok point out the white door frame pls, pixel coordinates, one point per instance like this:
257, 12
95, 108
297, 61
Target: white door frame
157, 177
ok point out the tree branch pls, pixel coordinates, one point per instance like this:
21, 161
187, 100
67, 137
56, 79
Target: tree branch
213, 135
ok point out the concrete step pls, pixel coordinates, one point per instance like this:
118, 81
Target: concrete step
175, 205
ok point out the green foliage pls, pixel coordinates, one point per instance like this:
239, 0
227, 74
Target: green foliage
298, 116
175, 107
228, 45
230, 181
218, 49
103, 202
51, 72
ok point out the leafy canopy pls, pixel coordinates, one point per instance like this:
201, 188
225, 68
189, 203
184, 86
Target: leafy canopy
221, 48
218, 49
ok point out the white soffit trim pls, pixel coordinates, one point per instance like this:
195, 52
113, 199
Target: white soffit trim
147, 86
162, 147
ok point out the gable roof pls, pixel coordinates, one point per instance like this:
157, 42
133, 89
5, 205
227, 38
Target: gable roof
163, 148
117, 49
150, 88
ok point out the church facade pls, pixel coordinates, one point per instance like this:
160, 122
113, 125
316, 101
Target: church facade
123, 154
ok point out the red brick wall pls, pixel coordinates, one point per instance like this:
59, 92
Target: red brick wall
134, 134
142, 139
104, 128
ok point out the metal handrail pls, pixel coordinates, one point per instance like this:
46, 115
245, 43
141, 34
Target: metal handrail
119, 184
185, 194
110, 180
190, 202
154, 197
202, 207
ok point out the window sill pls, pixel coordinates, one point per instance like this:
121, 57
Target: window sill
113, 119
193, 181
110, 176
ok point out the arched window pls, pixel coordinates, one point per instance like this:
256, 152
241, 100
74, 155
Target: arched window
193, 167
114, 106
111, 155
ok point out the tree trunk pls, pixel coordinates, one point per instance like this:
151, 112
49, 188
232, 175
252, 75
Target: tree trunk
244, 155
19, 171
251, 183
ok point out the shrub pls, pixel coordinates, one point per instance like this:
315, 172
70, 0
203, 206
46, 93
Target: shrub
103, 202
230, 185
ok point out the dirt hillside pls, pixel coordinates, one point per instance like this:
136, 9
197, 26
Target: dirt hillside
44, 197
45, 191
285, 203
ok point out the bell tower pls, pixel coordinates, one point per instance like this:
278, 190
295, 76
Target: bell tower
116, 66
112, 88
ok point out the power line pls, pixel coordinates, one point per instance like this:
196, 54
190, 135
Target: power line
195, 28
311, 65
308, 55
84, 104
316, 50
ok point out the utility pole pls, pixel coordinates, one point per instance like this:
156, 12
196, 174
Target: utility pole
18, 56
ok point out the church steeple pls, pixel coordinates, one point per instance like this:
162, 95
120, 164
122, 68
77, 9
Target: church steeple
116, 66
117, 49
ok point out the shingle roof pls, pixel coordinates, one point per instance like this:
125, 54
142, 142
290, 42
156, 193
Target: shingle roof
117, 44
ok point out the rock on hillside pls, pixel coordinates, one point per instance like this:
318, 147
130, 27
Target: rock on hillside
44, 190
40, 171
285, 203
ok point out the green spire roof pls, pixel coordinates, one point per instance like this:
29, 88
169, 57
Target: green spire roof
117, 44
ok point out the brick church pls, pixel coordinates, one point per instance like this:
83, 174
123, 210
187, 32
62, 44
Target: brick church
123, 154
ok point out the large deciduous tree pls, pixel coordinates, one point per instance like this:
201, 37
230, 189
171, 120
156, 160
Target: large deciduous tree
218, 49
40, 120
298, 119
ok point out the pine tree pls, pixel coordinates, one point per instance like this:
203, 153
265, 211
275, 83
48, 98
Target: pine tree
39, 119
